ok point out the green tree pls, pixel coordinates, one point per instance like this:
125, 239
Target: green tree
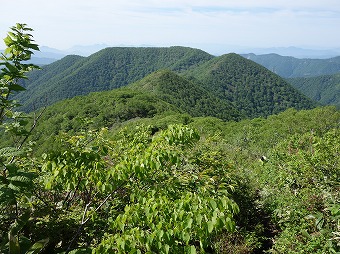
19, 48
16, 179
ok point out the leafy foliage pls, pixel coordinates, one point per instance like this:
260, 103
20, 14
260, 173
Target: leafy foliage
156, 198
298, 185
16, 179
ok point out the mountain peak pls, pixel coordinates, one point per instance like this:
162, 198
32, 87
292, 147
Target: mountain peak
187, 95
253, 89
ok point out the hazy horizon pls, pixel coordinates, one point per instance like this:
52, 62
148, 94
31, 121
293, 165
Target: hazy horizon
202, 24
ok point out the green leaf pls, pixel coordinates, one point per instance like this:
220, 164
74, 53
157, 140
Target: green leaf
34, 46
199, 219
14, 247
166, 248
9, 152
21, 178
17, 88
188, 223
186, 237
229, 224
38, 246
210, 226
190, 249
20, 223
213, 204
14, 187
11, 68
8, 41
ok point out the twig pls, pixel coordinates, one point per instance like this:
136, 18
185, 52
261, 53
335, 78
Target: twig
35, 121
83, 222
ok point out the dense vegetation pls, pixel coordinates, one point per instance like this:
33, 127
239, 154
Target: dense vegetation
187, 95
290, 67
131, 171
107, 69
252, 89
324, 89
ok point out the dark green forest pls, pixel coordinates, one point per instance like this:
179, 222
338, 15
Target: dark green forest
324, 89
290, 67
253, 89
105, 70
252, 93
182, 153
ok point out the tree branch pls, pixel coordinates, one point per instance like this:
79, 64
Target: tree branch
101, 204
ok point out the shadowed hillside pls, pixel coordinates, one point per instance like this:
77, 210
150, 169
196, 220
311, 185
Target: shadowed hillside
289, 67
324, 89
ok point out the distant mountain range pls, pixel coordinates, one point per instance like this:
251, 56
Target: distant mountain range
300, 53
195, 79
47, 55
289, 67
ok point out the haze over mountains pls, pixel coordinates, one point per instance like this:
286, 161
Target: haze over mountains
48, 55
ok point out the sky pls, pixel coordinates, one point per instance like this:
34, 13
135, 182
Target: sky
62, 24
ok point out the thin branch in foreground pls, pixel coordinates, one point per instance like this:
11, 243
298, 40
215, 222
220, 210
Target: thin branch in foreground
86, 207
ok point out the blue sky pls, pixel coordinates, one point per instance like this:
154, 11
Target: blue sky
241, 23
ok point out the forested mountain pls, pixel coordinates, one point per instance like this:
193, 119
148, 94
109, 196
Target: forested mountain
131, 171
289, 67
107, 69
188, 96
253, 89
324, 89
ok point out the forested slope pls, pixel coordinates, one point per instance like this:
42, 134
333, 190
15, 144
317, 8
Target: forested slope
98, 110
324, 89
105, 70
187, 95
289, 67
253, 89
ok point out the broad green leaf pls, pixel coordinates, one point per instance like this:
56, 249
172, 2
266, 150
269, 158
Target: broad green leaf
188, 223
210, 226
38, 246
185, 236
213, 204
166, 248
14, 247
17, 88
190, 249
8, 41
9, 152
